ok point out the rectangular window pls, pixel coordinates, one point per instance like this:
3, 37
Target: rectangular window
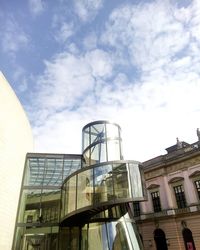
197, 184
180, 196
156, 201
136, 208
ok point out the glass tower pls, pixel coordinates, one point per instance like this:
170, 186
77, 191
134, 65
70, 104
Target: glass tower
81, 201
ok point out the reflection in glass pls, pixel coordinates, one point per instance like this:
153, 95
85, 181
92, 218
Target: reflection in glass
116, 235
98, 153
97, 237
86, 158
85, 189
97, 132
103, 183
113, 150
30, 204
64, 238
84, 241
71, 195
43, 238
39, 206
120, 180
63, 201
50, 206
86, 138
112, 131
74, 238
135, 180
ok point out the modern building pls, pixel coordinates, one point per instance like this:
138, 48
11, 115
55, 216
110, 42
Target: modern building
15, 141
170, 218
81, 201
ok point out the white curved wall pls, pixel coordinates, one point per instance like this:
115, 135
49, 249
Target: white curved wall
15, 142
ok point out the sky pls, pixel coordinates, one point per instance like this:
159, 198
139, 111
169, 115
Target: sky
136, 63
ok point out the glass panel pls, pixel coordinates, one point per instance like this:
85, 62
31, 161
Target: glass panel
74, 239
53, 172
86, 138
84, 239
35, 172
71, 195
120, 179
86, 158
135, 180
50, 206
112, 131
98, 153
18, 240
37, 239
95, 154
113, 150
70, 166
97, 237
64, 238
65, 208
63, 202
97, 132
103, 155
103, 184
85, 189
39, 207
30, 205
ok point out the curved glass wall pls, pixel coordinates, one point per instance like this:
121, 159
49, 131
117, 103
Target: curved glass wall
109, 183
120, 233
101, 142
81, 201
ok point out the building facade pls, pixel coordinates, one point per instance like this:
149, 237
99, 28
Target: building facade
81, 201
170, 218
15, 141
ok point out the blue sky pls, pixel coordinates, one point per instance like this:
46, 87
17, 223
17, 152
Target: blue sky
133, 62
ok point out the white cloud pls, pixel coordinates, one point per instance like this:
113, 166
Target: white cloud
19, 76
87, 9
100, 63
162, 104
90, 41
66, 79
13, 36
36, 6
150, 33
65, 31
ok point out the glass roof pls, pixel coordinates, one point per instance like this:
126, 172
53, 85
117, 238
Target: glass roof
50, 171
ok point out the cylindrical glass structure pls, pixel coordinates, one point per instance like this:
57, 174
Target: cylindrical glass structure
102, 184
101, 143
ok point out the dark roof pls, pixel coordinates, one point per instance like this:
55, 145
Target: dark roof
175, 147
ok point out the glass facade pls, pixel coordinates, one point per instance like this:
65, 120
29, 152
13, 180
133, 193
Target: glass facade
39, 205
111, 183
101, 143
81, 201
102, 235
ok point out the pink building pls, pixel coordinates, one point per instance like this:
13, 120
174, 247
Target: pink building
170, 218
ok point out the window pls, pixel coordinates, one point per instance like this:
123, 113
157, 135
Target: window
156, 201
180, 196
197, 184
136, 208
